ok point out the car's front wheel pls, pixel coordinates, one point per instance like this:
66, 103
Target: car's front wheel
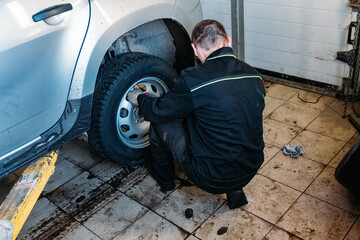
118, 130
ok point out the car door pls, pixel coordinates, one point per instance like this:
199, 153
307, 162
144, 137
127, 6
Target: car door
40, 41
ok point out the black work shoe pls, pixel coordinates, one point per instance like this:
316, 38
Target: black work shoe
236, 199
164, 186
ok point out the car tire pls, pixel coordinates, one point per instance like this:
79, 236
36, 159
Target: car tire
347, 172
118, 130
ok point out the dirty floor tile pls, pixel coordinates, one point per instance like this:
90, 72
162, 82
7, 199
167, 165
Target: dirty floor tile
107, 170
64, 171
135, 175
354, 233
338, 106
191, 237
354, 138
73, 230
279, 134
202, 203
9, 179
326, 188
295, 114
233, 224
318, 147
108, 201
6, 185
269, 199
113, 215
71, 147
281, 92
269, 153
313, 100
271, 104
4, 190
310, 218
337, 159
79, 193
116, 175
44, 218
330, 124
152, 227
21, 170
147, 192
297, 173
279, 234
85, 157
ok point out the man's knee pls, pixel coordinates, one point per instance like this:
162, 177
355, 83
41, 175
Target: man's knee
155, 134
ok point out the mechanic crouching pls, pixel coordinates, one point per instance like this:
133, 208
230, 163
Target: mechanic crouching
219, 145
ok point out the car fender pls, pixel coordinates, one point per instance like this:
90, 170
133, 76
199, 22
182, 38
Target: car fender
110, 21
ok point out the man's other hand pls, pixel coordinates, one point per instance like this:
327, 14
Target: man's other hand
132, 96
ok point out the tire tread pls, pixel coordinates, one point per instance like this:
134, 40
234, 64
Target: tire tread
110, 74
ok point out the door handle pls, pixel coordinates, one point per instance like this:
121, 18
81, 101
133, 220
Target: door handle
51, 11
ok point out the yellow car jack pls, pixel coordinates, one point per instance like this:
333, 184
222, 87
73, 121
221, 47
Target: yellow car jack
20, 201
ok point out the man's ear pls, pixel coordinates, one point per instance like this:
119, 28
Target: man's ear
229, 41
195, 50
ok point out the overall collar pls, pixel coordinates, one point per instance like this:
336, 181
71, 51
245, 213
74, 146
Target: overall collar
220, 53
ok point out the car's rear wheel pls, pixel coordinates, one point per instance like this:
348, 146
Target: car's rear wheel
118, 130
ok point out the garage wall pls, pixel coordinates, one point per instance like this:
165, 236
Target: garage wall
298, 37
294, 37
219, 10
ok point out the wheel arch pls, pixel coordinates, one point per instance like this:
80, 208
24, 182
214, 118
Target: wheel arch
174, 48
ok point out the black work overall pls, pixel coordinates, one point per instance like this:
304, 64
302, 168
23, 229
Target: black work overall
221, 147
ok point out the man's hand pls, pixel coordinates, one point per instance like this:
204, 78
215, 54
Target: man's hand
132, 96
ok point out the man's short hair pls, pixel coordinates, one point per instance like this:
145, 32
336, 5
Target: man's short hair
208, 34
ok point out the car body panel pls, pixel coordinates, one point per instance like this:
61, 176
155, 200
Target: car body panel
48, 69
117, 21
37, 61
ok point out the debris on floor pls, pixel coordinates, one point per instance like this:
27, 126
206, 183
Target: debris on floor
294, 151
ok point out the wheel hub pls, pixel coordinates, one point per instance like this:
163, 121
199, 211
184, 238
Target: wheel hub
138, 115
131, 126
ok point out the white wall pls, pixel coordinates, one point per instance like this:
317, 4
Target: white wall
219, 10
294, 37
298, 37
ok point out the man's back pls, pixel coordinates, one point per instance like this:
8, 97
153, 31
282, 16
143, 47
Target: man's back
225, 126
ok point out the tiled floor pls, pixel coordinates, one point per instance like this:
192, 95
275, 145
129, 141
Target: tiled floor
92, 198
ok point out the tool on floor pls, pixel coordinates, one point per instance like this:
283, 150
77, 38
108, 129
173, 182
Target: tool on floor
294, 151
20, 201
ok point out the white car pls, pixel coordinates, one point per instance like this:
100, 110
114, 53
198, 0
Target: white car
66, 67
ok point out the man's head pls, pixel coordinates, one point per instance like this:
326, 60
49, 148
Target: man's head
208, 36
